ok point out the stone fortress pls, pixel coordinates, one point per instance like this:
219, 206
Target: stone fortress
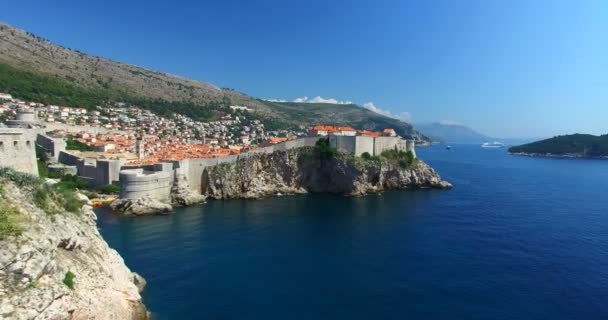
158, 181
17, 150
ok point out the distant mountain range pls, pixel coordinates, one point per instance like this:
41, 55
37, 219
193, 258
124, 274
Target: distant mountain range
33, 68
451, 133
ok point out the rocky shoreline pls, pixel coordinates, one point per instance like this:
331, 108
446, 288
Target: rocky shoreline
296, 171
59, 267
301, 171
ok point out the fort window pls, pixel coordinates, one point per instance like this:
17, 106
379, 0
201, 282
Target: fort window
16, 144
28, 144
1, 145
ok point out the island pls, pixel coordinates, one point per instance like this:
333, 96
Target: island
566, 146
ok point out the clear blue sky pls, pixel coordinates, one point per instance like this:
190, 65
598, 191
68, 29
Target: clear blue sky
506, 68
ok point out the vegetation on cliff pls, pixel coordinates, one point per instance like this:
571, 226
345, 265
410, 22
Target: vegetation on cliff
578, 145
55, 265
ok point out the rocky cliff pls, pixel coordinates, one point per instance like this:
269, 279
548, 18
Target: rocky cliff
306, 170
55, 265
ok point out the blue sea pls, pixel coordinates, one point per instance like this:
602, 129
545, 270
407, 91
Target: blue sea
517, 238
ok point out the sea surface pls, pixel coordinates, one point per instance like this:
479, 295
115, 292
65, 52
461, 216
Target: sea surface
517, 238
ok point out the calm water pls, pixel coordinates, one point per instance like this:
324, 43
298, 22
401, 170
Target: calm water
517, 238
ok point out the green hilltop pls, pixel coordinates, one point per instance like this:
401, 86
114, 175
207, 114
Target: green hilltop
579, 145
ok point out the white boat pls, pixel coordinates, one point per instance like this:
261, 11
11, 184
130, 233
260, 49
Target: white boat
494, 144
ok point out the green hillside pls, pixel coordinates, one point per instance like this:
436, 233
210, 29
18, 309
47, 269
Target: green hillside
583, 145
34, 69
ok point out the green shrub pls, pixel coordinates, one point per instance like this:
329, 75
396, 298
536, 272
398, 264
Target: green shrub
54, 199
31, 285
90, 194
368, 157
41, 198
41, 154
9, 216
67, 199
54, 175
68, 280
43, 171
19, 178
324, 149
404, 159
73, 182
109, 189
72, 144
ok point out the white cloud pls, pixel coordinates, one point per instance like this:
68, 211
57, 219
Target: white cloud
276, 100
403, 116
319, 99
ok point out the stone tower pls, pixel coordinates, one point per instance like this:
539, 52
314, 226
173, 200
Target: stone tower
140, 147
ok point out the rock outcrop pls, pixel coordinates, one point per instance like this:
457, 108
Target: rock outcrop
57, 266
181, 194
303, 170
141, 206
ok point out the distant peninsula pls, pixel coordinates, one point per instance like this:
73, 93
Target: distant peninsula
566, 146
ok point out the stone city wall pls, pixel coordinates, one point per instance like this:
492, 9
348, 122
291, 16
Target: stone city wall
137, 183
18, 151
52, 146
389, 143
372, 145
99, 172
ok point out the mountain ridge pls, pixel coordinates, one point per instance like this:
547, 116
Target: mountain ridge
453, 133
109, 80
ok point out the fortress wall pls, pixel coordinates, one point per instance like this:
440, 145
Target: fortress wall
98, 172
17, 150
410, 145
63, 169
387, 143
364, 144
53, 146
108, 172
69, 159
135, 183
193, 168
343, 143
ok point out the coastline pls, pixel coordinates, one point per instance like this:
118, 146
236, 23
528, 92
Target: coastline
574, 156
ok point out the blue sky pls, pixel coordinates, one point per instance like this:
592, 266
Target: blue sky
506, 68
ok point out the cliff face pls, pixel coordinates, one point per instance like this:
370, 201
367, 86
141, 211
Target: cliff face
303, 170
57, 266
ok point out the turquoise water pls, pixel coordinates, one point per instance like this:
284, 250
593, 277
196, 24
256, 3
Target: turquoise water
517, 238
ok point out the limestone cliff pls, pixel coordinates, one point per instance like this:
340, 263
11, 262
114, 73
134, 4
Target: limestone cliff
57, 266
305, 170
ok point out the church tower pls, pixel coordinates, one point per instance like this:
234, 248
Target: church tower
140, 148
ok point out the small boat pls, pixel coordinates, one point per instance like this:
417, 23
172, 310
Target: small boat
448, 147
494, 144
